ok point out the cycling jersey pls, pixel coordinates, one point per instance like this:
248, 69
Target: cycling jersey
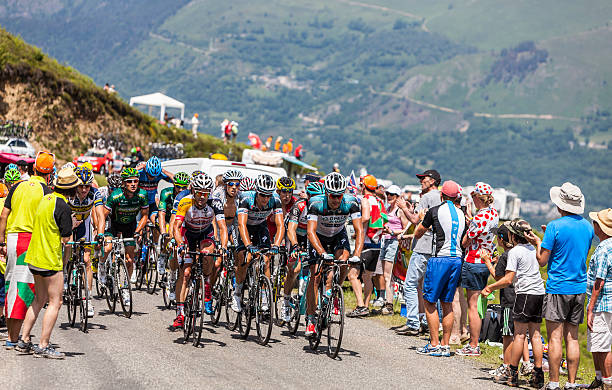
299, 215
195, 219
149, 185
82, 208
331, 222
219, 199
166, 201
286, 210
178, 198
257, 216
124, 210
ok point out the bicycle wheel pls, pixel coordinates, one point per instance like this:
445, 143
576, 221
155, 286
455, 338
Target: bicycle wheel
217, 298
151, 271
111, 288
263, 316
314, 340
82, 296
164, 285
70, 292
335, 321
231, 317
141, 269
244, 319
294, 324
187, 328
277, 294
124, 288
199, 306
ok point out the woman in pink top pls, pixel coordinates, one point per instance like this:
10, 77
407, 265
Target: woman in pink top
392, 230
474, 272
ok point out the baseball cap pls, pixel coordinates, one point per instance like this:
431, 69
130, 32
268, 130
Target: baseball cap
370, 182
44, 162
22, 163
482, 189
430, 173
393, 189
311, 177
450, 189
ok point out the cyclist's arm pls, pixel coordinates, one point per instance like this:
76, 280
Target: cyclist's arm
280, 229
242, 228
169, 175
312, 236
161, 220
292, 232
359, 236
222, 226
144, 217
99, 218
215, 229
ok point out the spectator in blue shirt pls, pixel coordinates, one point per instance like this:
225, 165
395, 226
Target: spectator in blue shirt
564, 251
599, 309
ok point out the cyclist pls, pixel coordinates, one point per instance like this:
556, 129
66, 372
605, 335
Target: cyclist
255, 207
114, 181
327, 215
11, 176
284, 189
247, 184
123, 206
87, 209
225, 204
296, 225
166, 201
195, 224
151, 173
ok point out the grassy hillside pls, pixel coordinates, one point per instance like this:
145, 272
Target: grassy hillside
66, 108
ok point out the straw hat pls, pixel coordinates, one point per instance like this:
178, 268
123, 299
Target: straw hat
568, 198
604, 220
66, 179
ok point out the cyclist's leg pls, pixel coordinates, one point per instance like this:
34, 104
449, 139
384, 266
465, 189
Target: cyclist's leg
294, 267
241, 265
315, 279
130, 246
261, 238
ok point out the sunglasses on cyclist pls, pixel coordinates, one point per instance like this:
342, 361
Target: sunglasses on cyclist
335, 196
131, 181
201, 193
264, 195
287, 191
233, 183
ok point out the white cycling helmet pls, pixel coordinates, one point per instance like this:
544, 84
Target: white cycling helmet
265, 184
68, 165
232, 174
335, 183
202, 182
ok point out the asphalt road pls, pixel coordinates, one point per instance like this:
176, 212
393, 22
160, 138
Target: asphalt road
142, 353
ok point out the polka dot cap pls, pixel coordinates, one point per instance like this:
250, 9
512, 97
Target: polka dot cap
483, 189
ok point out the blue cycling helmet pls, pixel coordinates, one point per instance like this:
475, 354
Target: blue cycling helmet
11, 166
315, 188
153, 167
85, 175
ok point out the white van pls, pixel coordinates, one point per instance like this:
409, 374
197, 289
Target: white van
217, 167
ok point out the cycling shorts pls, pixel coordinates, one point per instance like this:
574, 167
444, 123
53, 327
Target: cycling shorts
259, 234
84, 230
153, 209
193, 240
126, 230
330, 245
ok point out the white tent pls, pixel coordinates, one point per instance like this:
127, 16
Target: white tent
160, 100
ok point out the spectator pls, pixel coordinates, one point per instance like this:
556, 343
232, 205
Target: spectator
194, 125
277, 143
52, 228
522, 267
106, 87
422, 251
497, 269
599, 308
288, 147
112, 89
564, 250
447, 223
22, 165
460, 333
372, 211
269, 142
16, 225
336, 168
3, 335
308, 178
234, 129
298, 152
394, 228
474, 273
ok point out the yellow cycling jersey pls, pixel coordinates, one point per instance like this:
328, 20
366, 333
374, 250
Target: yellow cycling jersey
194, 219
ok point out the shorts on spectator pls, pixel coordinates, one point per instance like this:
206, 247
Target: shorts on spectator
42, 272
388, 250
528, 308
369, 257
507, 321
564, 308
441, 279
474, 276
600, 339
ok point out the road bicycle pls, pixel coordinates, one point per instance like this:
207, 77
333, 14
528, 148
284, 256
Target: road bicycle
330, 308
231, 317
77, 295
256, 299
278, 286
194, 301
223, 289
117, 286
146, 266
167, 277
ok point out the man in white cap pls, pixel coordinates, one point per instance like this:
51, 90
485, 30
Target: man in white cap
564, 250
599, 309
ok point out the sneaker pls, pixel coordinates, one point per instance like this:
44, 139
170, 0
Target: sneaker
407, 331
468, 350
236, 306
49, 353
24, 347
508, 378
179, 321
134, 276
9, 345
428, 350
545, 387
537, 379
286, 311
526, 369
596, 384
499, 371
90, 309
360, 311
443, 351
208, 307
126, 297
378, 303
387, 310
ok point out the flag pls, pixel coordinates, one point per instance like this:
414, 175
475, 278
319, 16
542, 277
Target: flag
255, 141
352, 184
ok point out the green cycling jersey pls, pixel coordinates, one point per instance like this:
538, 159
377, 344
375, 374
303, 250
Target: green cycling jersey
166, 200
123, 209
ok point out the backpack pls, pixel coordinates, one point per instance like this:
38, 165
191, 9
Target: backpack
491, 325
